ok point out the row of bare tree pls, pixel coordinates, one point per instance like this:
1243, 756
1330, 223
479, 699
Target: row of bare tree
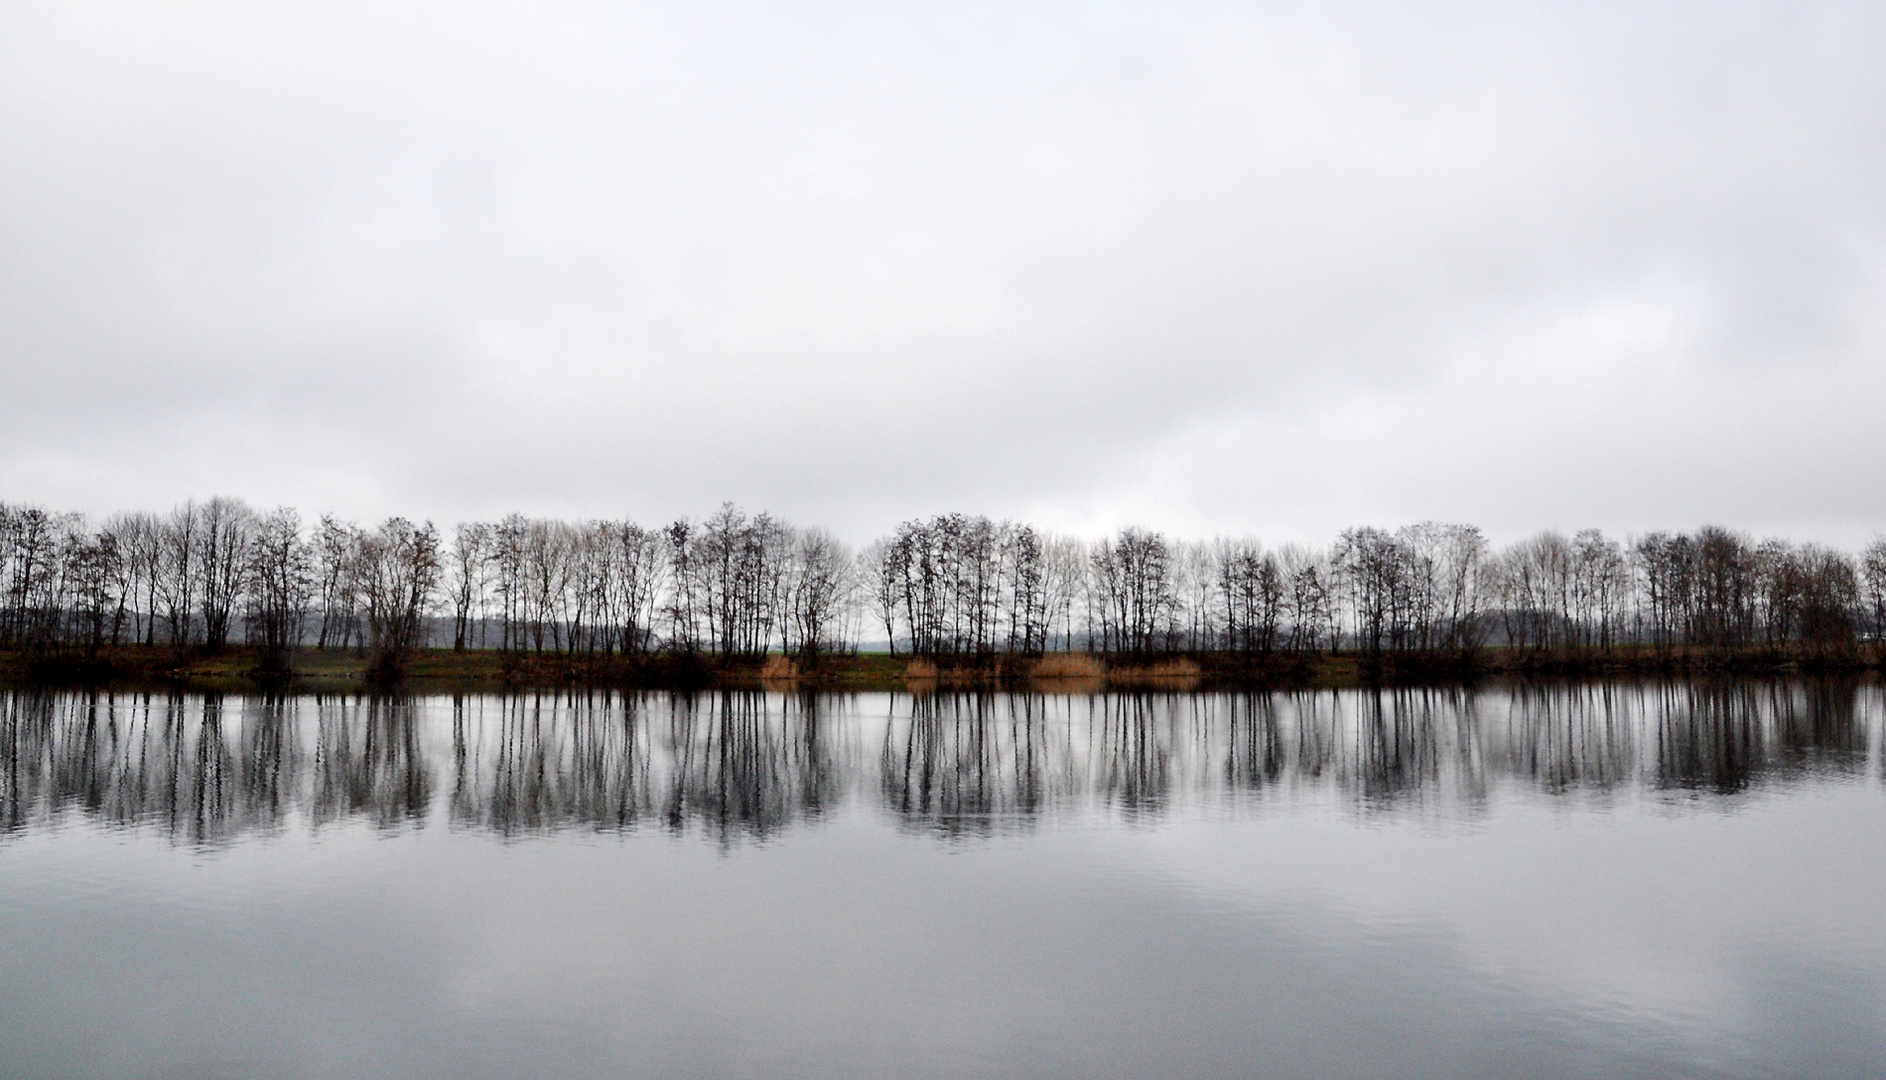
211, 574
951, 587
731, 584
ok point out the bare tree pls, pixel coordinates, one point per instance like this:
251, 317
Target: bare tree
1025, 559
139, 541
820, 583
1312, 599
1252, 591
177, 573
1133, 573
401, 570
471, 567
1373, 568
1065, 561
683, 587
225, 528
280, 571
1873, 573
338, 550
637, 583
92, 571
882, 571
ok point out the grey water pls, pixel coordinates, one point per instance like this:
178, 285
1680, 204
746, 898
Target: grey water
1632, 879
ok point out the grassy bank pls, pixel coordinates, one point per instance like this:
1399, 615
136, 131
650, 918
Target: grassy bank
443, 670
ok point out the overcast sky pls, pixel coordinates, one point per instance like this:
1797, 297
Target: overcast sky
1264, 269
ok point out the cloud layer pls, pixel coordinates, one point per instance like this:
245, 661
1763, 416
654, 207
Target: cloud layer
1253, 269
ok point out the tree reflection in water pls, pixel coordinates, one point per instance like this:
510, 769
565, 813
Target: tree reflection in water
744, 766
368, 761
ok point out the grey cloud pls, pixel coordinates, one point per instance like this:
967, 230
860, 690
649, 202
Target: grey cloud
857, 262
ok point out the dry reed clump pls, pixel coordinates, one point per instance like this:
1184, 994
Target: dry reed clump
1180, 674
1067, 666
779, 669
1182, 668
919, 668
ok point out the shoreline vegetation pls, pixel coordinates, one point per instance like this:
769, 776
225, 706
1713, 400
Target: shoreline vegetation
239, 669
220, 594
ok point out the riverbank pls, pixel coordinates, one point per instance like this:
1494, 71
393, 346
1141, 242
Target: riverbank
481, 670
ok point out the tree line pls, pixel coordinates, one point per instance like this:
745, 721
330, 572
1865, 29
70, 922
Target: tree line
960, 588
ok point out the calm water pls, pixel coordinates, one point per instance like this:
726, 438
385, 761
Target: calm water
1624, 880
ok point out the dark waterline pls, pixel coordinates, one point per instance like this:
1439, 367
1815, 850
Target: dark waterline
1604, 880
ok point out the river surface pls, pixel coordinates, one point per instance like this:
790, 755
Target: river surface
1643, 879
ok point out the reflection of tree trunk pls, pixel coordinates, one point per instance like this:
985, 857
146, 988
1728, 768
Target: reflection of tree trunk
737, 765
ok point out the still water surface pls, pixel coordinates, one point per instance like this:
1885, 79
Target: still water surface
1613, 880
